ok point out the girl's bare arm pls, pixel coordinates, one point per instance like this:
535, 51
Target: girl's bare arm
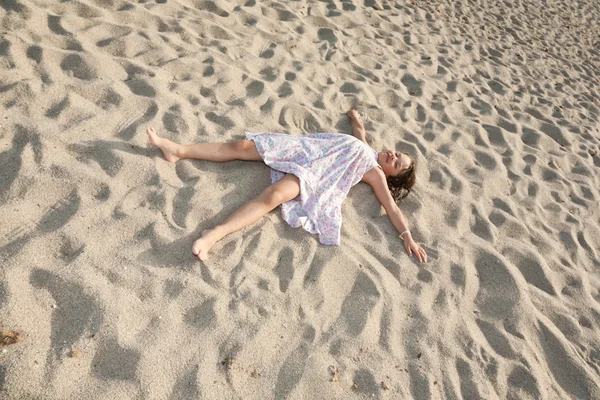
358, 130
376, 179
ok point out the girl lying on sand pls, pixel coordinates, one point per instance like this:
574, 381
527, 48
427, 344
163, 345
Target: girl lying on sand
311, 176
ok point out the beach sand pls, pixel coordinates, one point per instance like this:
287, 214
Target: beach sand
499, 102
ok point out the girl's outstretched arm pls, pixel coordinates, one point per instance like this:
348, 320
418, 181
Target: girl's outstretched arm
376, 179
358, 130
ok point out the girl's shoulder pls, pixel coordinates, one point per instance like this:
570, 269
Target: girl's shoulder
374, 176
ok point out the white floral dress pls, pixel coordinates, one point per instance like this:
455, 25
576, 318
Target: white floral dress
327, 164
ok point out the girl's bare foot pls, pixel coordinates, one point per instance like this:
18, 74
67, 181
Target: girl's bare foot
201, 246
168, 148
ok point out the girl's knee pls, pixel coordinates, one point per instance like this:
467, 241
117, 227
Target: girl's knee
245, 149
284, 190
242, 146
274, 196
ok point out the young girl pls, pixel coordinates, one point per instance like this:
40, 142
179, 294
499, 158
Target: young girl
311, 176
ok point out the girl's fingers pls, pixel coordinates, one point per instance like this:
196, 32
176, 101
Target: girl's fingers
419, 252
424, 255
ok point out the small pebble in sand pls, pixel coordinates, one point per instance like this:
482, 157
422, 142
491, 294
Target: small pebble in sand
593, 152
255, 374
227, 362
335, 374
8, 337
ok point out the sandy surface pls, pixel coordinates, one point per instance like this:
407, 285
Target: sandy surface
499, 102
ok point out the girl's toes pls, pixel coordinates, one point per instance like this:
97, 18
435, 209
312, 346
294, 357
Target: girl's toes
202, 256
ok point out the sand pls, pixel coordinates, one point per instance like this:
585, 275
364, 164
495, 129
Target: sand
499, 102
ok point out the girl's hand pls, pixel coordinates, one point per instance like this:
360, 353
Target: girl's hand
412, 247
353, 114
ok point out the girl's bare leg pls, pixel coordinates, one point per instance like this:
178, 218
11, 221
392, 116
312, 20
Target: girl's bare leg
284, 190
218, 152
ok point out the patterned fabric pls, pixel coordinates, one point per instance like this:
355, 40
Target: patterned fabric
327, 164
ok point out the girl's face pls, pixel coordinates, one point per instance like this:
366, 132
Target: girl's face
393, 163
